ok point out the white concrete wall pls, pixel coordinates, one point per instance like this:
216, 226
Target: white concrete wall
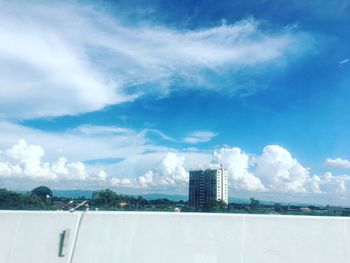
137, 237
34, 237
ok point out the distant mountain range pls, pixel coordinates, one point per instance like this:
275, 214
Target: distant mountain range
73, 193
88, 194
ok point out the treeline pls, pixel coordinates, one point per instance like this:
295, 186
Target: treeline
38, 199
109, 200
42, 198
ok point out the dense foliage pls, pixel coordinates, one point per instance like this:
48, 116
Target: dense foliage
41, 198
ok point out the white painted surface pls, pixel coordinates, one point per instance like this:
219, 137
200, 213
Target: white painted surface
140, 237
297, 239
158, 237
33, 237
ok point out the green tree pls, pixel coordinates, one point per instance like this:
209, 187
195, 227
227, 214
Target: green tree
218, 206
141, 202
278, 208
34, 202
104, 198
9, 199
254, 203
42, 191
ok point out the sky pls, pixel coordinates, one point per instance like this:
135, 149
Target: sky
132, 95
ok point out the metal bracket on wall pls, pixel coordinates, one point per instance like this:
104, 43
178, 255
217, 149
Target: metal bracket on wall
64, 242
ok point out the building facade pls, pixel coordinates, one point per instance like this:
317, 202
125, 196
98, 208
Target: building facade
206, 187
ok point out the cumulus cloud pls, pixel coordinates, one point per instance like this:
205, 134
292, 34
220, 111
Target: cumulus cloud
237, 164
338, 163
200, 136
275, 170
135, 151
170, 172
280, 171
49, 50
25, 161
122, 182
331, 184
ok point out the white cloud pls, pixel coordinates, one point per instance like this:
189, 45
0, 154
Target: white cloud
338, 163
137, 154
344, 61
200, 136
82, 143
25, 161
59, 59
149, 165
147, 179
102, 175
159, 133
122, 182
146, 165
8, 170
275, 171
170, 172
280, 172
237, 164
92, 130
336, 185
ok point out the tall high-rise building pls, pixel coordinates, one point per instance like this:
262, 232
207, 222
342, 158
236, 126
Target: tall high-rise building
207, 186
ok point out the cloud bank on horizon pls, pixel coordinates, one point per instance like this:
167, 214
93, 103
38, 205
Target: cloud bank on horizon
274, 171
133, 96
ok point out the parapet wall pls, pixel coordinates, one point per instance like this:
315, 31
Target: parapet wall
145, 237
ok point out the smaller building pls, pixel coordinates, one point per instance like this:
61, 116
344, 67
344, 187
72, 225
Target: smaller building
122, 204
304, 209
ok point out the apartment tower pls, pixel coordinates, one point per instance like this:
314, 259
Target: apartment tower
206, 187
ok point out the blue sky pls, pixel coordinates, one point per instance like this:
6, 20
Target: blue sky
132, 94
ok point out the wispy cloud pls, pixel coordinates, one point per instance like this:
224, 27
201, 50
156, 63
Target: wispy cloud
59, 59
338, 163
86, 142
200, 136
158, 133
344, 61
